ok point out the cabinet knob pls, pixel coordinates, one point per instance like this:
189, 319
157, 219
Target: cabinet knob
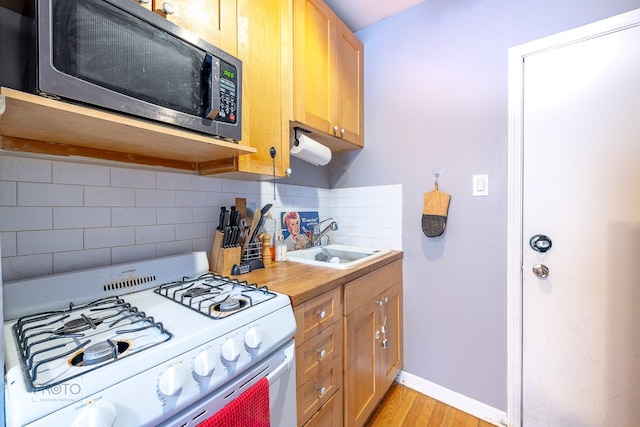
385, 343
167, 8
322, 314
335, 129
341, 132
322, 390
322, 353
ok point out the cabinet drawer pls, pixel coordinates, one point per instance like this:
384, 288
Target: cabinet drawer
317, 391
316, 315
330, 414
360, 291
318, 352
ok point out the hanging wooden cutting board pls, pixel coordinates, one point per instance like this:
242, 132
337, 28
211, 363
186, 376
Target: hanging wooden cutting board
434, 212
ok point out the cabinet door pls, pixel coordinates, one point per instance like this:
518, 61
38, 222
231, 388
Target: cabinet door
264, 46
212, 20
361, 364
349, 97
314, 56
391, 349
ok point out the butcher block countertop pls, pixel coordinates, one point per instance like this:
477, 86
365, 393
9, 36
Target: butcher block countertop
303, 282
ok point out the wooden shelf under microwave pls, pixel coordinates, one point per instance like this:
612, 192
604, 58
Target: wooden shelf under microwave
31, 123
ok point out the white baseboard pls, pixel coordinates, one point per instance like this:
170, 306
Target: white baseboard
466, 404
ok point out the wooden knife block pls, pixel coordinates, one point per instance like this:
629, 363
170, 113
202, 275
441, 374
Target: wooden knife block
223, 259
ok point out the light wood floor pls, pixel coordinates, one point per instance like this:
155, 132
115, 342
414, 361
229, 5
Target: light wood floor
403, 406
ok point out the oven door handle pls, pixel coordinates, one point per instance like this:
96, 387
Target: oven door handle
286, 365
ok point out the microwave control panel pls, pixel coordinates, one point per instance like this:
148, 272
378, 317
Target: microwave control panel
228, 79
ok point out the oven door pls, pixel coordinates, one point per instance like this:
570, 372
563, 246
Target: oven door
278, 369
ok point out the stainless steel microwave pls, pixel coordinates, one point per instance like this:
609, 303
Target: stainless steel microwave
116, 55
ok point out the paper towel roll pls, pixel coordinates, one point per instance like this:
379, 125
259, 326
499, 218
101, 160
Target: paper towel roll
311, 151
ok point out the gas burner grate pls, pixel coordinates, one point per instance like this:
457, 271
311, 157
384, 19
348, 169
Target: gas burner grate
46, 340
215, 296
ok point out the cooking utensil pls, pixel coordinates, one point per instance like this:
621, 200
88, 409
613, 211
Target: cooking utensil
252, 230
256, 231
221, 218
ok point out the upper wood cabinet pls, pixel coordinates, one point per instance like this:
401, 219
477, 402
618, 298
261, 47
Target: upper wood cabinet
328, 74
212, 20
265, 49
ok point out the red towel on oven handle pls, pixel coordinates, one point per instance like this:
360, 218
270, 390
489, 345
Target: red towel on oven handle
250, 409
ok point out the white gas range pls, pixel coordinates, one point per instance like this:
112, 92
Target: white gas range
149, 343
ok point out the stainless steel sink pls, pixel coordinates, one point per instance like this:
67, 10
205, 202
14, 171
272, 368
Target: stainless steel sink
335, 256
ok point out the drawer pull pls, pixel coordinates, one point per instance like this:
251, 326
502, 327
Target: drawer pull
322, 353
322, 314
322, 390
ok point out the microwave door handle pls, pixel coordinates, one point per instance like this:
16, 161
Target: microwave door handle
211, 76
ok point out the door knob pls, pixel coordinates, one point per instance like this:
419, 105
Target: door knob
540, 243
540, 270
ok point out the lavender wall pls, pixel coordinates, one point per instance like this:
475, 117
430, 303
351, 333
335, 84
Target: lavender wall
436, 98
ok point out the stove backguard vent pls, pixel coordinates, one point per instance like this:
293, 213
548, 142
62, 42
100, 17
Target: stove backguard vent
129, 283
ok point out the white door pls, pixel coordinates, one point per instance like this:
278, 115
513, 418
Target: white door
581, 189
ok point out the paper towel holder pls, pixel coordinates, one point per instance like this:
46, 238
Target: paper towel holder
297, 129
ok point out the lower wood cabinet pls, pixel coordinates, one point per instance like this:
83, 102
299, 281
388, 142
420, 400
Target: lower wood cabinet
372, 340
319, 360
349, 349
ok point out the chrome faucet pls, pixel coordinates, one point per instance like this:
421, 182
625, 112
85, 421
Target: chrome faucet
318, 235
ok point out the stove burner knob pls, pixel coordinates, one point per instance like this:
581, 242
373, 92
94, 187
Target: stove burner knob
253, 338
230, 350
171, 381
204, 364
96, 415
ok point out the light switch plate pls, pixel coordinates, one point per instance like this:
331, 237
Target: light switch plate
481, 185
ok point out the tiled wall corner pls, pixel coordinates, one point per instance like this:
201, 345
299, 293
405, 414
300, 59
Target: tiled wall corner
58, 216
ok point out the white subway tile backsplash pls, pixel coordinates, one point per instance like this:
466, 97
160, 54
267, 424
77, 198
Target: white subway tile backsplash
109, 196
78, 260
25, 218
175, 215
155, 233
8, 243
36, 194
173, 181
203, 244
61, 216
192, 198
132, 216
191, 231
158, 198
132, 178
124, 254
24, 169
48, 241
8, 193
208, 214
108, 237
81, 217
20, 267
207, 183
79, 173
233, 186
174, 248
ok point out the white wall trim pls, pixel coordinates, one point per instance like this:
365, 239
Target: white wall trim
516, 59
451, 398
